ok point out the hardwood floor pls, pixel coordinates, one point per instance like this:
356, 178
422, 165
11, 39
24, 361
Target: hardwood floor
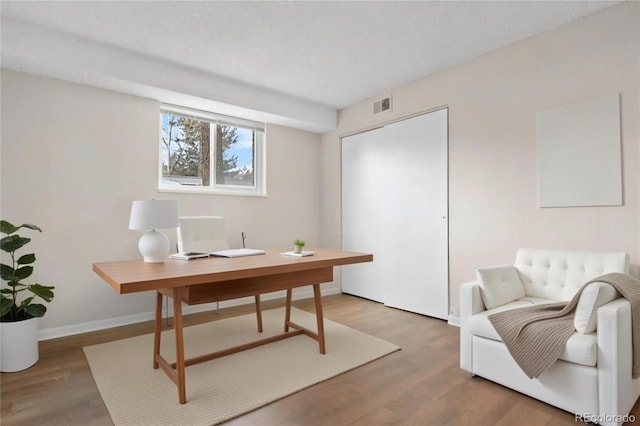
419, 385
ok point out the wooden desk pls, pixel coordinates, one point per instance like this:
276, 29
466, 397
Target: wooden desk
215, 279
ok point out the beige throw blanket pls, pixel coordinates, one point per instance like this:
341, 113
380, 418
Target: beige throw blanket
537, 335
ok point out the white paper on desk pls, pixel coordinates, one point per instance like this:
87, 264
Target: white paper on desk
237, 252
302, 254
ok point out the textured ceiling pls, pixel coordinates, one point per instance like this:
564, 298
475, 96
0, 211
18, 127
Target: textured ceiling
330, 53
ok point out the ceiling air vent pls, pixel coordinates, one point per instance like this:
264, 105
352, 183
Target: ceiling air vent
382, 105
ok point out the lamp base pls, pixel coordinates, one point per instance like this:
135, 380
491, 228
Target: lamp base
153, 246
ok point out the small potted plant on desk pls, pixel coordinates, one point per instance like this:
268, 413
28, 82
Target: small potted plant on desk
18, 312
298, 245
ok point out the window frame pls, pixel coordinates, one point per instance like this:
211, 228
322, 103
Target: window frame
259, 188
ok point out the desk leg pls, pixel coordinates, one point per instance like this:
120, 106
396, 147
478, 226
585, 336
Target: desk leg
319, 317
287, 314
177, 325
157, 330
259, 313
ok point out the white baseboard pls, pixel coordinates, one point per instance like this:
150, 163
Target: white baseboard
70, 330
455, 321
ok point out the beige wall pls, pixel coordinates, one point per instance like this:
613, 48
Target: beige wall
74, 157
492, 143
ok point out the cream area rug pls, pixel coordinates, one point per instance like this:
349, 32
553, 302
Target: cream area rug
220, 389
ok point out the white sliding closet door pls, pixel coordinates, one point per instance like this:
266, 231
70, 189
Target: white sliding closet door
363, 155
394, 203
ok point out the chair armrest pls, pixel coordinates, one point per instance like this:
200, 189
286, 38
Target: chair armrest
470, 304
617, 392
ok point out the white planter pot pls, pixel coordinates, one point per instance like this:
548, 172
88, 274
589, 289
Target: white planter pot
18, 345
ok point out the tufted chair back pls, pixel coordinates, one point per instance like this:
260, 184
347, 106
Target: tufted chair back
557, 274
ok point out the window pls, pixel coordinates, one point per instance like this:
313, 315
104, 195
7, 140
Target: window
208, 153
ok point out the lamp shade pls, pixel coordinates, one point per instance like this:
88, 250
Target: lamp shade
153, 214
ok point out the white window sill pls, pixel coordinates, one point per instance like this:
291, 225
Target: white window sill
213, 191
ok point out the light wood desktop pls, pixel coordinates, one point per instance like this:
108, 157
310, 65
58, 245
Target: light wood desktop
216, 279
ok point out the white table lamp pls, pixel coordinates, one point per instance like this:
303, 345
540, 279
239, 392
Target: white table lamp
149, 215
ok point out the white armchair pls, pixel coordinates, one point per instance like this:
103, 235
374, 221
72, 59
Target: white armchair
592, 378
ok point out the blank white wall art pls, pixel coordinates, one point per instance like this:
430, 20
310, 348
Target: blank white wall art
579, 154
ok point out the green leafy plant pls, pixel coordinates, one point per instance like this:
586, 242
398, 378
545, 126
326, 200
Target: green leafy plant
12, 307
299, 243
